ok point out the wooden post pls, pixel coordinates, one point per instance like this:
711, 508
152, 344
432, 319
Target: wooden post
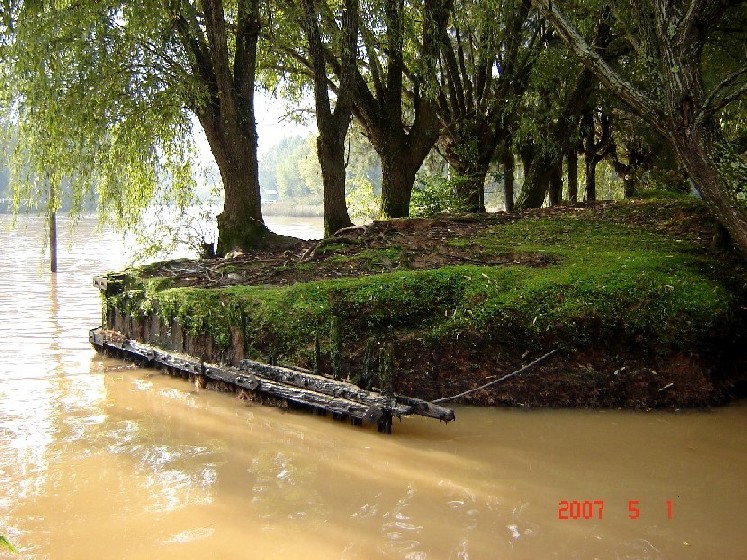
336, 346
52, 227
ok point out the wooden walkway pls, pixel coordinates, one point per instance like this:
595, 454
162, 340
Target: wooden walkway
300, 388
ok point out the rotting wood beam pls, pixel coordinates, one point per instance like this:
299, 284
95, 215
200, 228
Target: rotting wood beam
345, 401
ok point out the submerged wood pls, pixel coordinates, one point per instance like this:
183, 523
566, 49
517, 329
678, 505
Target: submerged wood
322, 394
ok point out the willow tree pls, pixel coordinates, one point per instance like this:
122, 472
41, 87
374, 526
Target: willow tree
395, 91
332, 123
486, 60
678, 90
102, 94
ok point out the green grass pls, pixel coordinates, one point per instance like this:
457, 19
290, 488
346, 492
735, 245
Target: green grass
611, 282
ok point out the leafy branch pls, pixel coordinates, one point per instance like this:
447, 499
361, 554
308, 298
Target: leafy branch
5, 544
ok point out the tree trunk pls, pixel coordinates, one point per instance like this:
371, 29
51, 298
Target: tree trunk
226, 112
333, 125
696, 151
572, 172
240, 225
556, 184
561, 136
594, 151
469, 146
590, 165
508, 179
397, 180
471, 191
470, 183
331, 151
52, 223
401, 145
628, 188
536, 181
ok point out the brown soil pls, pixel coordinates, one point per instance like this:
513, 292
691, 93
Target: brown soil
422, 244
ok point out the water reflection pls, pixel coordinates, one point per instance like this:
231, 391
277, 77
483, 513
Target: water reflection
101, 460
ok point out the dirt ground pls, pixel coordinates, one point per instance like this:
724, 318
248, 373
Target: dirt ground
423, 244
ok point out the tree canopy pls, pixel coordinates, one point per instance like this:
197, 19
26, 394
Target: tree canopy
103, 95
681, 89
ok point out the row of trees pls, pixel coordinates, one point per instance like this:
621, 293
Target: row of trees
101, 92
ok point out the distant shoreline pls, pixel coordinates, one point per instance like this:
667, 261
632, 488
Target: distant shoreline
292, 209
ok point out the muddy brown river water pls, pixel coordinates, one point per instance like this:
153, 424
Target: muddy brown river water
100, 460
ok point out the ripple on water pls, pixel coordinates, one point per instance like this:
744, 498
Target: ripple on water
190, 535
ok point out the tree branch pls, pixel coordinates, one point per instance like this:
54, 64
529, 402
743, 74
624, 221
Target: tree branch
636, 99
245, 59
507, 376
373, 61
215, 26
715, 101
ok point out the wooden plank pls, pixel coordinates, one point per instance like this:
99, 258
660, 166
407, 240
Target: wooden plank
426, 408
100, 282
320, 384
295, 386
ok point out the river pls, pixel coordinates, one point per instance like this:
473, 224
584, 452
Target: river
101, 460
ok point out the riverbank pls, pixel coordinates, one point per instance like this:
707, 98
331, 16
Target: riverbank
646, 309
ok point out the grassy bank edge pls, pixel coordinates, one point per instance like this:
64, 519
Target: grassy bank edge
616, 294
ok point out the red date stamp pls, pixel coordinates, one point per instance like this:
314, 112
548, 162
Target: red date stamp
594, 509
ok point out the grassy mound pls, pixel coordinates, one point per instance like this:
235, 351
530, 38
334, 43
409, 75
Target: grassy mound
646, 313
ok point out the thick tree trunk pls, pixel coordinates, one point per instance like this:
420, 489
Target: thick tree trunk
240, 225
469, 146
698, 156
397, 180
508, 179
398, 168
471, 183
331, 151
401, 153
536, 181
555, 194
226, 111
572, 172
401, 145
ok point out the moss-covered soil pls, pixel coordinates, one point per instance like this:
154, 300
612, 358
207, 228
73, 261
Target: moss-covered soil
647, 311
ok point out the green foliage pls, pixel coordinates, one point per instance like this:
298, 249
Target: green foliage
87, 100
292, 168
363, 203
660, 179
434, 195
171, 230
4, 543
